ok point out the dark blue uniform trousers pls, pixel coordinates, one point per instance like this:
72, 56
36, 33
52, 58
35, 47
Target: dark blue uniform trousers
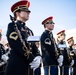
53, 70
64, 70
74, 71
37, 71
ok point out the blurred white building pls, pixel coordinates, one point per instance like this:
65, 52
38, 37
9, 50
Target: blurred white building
71, 33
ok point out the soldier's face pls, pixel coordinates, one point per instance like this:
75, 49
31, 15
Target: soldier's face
24, 15
50, 26
62, 37
71, 42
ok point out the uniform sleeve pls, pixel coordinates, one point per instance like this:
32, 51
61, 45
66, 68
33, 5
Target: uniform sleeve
48, 46
36, 51
2, 50
16, 44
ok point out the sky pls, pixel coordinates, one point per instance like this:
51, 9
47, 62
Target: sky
63, 12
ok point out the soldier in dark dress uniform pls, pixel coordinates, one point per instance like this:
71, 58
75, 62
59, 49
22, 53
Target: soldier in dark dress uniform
50, 54
2, 52
64, 69
23, 54
72, 54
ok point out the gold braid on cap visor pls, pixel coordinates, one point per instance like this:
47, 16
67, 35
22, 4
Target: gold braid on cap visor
19, 7
49, 22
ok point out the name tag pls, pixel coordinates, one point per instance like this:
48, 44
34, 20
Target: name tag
62, 46
33, 39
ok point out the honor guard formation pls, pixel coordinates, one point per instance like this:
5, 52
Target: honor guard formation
26, 54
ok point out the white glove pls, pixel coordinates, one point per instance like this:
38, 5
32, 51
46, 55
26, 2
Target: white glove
72, 63
60, 60
36, 62
60, 64
4, 58
2, 63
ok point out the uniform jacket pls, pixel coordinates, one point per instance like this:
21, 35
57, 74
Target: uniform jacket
48, 49
18, 61
64, 52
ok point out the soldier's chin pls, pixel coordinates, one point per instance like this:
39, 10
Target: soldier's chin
51, 29
27, 19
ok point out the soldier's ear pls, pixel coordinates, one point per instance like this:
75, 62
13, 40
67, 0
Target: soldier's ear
17, 14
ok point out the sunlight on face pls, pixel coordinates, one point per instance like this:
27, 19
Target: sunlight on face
62, 37
50, 26
71, 42
24, 15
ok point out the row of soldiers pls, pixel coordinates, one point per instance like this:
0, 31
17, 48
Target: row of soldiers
69, 53
63, 48
61, 44
25, 57
56, 54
